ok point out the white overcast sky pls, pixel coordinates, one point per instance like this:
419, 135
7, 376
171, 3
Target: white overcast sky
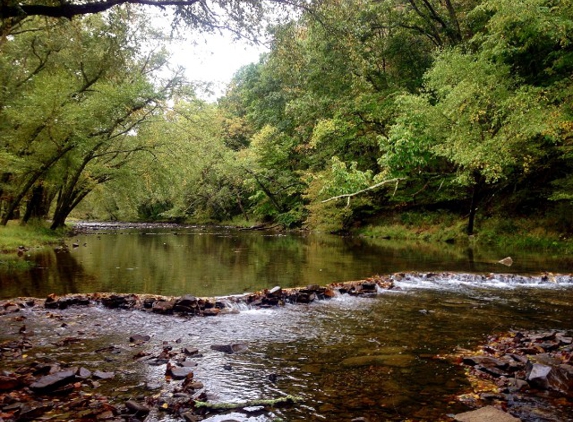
214, 59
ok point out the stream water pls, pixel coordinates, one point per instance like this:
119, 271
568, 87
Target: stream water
347, 357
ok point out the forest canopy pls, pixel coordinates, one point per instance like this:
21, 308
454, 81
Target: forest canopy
360, 109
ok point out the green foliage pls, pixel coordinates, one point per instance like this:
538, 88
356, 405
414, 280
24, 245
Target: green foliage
467, 104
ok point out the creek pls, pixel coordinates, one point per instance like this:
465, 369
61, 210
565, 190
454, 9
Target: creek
378, 358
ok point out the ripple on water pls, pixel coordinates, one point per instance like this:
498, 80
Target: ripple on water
347, 357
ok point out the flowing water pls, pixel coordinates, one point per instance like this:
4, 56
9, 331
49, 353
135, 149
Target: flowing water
349, 357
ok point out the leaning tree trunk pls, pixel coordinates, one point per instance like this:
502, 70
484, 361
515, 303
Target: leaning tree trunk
38, 205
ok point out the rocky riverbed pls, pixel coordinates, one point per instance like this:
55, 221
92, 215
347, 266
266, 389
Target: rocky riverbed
53, 386
526, 373
55, 367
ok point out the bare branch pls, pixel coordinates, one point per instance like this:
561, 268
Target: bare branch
377, 185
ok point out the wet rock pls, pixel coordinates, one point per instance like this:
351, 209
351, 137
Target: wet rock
83, 373
187, 300
555, 378
162, 307
275, 292
33, 411
211, 312
139, 339
10, 382
187, 304
103, 375
485, 361
190, 351
53, 381
485, 414
230, 348
148, 302
119, 301
138, 408
179, 373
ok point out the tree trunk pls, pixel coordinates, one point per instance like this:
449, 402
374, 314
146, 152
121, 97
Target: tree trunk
15, 202
38, 205
473, 205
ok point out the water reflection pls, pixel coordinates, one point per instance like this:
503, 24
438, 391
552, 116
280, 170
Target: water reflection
219, 261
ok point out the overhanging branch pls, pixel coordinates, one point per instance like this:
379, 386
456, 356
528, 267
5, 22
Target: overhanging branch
377, 185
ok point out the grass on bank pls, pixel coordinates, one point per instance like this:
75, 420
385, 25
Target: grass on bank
442, 226
33, 235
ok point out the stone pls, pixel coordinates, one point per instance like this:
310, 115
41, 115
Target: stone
179, 373
9, 382
537, 375
230, 348
275, 291
138, 338
84, 373
187, 300
53, 381
136, 407
190, 351
162, 307
103, 375
485, 361
191, 417
485, 414
211, 312
507, 261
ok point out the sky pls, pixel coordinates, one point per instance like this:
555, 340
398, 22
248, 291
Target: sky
215, 60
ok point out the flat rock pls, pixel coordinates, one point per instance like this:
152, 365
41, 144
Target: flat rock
179, 373
103, 375
486, 414
230, 348
53, 381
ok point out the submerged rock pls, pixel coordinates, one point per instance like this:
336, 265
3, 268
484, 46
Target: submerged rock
230, 348
486, 414
400, 361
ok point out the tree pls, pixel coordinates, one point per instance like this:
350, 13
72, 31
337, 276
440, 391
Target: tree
242, 17
71, 113
477, 118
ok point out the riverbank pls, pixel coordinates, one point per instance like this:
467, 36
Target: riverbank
532, 234
529, 234
17, 241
